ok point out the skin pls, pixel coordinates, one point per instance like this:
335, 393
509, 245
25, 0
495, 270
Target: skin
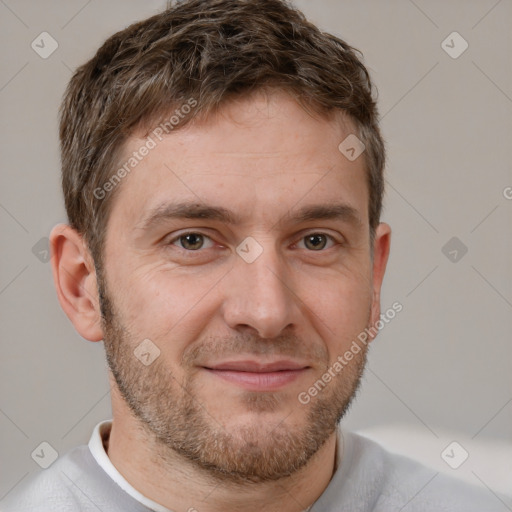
262, 157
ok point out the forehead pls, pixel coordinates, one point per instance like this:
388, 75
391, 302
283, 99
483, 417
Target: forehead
259, 156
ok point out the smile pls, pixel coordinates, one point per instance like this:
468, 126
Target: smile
256, 376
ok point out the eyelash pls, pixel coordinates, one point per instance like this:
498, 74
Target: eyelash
178, 237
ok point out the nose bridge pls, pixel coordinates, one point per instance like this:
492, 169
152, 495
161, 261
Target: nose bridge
259, 295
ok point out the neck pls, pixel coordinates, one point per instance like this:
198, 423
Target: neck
179, 485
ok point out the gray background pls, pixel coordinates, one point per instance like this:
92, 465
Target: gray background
442, 365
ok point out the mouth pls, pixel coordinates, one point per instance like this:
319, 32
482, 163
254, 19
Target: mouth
258, 376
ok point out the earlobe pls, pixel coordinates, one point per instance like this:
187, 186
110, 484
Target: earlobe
74, 277
381, 249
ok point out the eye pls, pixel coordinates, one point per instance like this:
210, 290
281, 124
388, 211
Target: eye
191, 241
317, 241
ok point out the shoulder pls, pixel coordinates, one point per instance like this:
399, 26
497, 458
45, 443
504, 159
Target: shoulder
50, 489
75, 482
403, 482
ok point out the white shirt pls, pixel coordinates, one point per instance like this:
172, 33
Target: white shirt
367, 479
97, 448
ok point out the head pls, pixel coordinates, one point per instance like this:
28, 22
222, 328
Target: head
217, 232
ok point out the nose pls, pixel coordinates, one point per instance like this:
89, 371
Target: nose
260, 295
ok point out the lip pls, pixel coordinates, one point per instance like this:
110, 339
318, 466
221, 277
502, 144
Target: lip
257, 366
258, 376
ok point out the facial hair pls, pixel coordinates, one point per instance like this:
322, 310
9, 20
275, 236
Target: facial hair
171, 413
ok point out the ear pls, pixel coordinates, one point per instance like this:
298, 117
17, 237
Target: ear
74, 277
381, 247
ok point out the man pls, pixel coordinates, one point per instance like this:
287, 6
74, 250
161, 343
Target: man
223, 178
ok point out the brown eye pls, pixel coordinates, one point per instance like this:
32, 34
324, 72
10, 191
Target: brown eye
191, 241
315, 241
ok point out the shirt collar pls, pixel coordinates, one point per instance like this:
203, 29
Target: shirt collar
100, 433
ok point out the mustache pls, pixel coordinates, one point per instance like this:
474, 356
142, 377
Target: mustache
289, 346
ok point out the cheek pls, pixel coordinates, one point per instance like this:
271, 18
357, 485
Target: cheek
339, 305
165, 304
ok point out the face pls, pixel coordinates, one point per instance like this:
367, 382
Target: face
239, 246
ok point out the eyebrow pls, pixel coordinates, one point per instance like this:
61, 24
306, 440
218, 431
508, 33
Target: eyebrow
187, 210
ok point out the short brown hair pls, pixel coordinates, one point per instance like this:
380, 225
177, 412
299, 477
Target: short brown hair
211, 51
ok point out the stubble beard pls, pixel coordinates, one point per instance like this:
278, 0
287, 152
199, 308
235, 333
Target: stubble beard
177, 423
